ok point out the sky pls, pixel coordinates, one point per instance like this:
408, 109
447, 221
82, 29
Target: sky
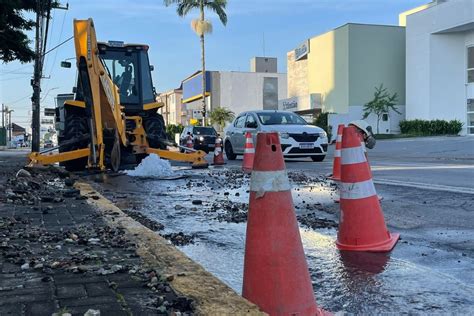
268, 28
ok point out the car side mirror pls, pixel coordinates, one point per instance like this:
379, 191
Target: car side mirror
152, 67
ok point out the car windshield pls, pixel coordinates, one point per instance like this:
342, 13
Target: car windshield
280, 118
204, 131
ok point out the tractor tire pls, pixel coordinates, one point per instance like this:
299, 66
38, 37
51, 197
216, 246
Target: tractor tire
154, 125
75, 127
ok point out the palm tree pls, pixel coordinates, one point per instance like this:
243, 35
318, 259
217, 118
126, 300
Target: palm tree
222, 115
201, 27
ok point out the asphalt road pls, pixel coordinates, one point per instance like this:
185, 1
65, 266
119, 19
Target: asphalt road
438, 163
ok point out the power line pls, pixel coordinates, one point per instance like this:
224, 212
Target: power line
23, 67
62, 43
21, 99
16, 78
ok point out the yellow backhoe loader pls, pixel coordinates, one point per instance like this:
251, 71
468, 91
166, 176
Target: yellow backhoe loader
114, 113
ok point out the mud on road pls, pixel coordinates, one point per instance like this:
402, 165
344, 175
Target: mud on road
424, 273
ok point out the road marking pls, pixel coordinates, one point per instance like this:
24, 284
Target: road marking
426, 186
421, 167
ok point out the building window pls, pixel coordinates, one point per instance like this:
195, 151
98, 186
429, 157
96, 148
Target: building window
385, 117
470, 64
470, 116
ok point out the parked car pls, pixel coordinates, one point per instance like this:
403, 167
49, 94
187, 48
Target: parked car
48, 144
204, 137
297, 137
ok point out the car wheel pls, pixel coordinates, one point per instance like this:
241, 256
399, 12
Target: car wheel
318, 158
229, 152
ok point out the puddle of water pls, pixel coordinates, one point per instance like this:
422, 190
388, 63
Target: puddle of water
343, 281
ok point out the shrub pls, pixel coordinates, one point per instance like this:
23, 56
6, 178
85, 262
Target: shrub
433, 127
172, 129
322, 121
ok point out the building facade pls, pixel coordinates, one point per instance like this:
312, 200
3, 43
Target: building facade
440, 62
235, 90
337, 72
173, 111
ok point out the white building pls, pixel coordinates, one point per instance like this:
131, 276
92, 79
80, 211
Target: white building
173, 111
440, 62
259, 89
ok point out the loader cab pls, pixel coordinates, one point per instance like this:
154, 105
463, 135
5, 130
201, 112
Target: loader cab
130, 70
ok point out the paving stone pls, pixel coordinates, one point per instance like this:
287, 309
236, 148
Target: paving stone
89, 301
11, 309
41, 308
70, 290
99, 289
22, 299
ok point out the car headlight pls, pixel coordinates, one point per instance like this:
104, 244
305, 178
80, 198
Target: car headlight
323, 134
201, 138
284, 135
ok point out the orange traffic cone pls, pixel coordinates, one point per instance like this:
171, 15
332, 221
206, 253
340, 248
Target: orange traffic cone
190, 143
218, 154
336, 167
249, 154
361, 225
276, 276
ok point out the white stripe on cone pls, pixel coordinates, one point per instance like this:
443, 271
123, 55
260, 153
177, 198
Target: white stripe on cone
337, 153
358, 190
352, 155
269, 181
339, 138
250, 150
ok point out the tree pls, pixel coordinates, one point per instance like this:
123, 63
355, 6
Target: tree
382, 103
201, 27
14, 44
222, 115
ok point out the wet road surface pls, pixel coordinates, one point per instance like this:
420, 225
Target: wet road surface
429, 271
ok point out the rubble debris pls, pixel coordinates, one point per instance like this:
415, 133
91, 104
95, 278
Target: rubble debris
311, 220
144, 220
179, 239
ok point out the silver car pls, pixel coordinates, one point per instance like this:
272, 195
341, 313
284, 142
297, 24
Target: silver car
297, 137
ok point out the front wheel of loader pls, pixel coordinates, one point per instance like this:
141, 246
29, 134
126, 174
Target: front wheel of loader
154, 125
115, 154
75, 127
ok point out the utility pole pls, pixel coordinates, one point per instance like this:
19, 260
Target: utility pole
10, 125
3, 115
40, 48
36, 83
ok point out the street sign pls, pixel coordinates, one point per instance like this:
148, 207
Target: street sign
197, 114
49, 112
47, 121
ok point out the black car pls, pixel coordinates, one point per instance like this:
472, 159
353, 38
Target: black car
204, 137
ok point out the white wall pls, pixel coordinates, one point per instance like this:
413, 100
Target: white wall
356, 113
436, 41
243, 91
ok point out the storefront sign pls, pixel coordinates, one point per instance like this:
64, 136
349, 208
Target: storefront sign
290, 104
302, 50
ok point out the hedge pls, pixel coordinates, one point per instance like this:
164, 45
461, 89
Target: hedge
433, 127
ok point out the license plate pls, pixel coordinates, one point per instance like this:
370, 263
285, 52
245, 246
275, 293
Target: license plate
211, 145
306, 145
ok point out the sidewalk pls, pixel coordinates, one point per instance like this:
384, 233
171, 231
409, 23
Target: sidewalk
57, 254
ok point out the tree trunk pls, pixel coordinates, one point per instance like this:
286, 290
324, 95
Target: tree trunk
203, 60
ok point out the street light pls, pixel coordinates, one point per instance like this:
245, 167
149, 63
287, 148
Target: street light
47, 92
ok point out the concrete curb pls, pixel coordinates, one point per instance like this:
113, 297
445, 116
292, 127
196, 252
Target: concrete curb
212, 297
